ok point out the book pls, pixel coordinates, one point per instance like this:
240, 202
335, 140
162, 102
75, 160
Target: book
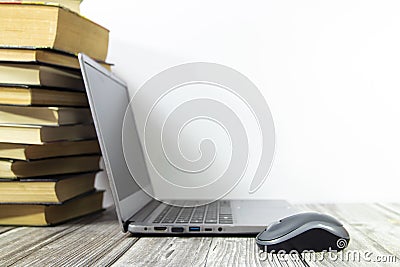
42, 56
13, 169
41, 215
40, 75
25, 95
49, 26
52, 116
48, 150
33, 134
72, 5
47, 190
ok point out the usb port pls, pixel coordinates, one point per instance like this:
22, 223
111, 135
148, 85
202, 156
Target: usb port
160, 228
194, 229
208, 229
177, 229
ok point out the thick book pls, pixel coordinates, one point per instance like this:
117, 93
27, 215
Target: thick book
42, 56
48, 150
49, 26
26, 96
40, 75
41, 214
49, 190
13, 169
50, 116
73, 5
33, 134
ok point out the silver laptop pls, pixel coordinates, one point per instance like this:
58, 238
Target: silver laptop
137, 211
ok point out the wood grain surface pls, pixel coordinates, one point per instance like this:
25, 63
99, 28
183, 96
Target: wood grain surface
97, 240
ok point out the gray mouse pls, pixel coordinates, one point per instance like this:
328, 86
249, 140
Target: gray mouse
308, 231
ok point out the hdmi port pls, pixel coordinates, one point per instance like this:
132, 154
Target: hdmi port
177, 229
160, 228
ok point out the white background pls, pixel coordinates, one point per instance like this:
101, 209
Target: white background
330, 71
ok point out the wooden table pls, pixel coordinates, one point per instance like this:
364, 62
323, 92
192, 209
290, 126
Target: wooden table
97, 241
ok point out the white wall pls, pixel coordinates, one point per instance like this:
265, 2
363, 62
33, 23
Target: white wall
330, 71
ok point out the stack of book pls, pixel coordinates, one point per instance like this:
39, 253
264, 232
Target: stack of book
73, 5
49, 154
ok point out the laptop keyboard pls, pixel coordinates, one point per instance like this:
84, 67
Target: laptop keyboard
213, 213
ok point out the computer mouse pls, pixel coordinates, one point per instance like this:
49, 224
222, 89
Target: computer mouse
308, 231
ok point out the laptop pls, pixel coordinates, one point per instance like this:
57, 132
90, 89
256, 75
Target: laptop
138, 212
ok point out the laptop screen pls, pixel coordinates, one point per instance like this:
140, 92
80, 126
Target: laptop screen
109, 101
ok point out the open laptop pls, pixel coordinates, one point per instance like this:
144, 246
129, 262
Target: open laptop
137, 211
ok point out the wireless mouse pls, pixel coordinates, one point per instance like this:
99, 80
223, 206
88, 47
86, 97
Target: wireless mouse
309, 231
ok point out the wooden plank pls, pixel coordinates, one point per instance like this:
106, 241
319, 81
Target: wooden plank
167, 251
240, 251
97, 240
379, 224
395, 206
98, 243
199, 251
4, 229
392, 207
230, 251
20, 242
387, 232
361, 221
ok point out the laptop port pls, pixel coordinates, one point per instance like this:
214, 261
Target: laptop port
194, 229
160, 228
208, 229
177, 229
